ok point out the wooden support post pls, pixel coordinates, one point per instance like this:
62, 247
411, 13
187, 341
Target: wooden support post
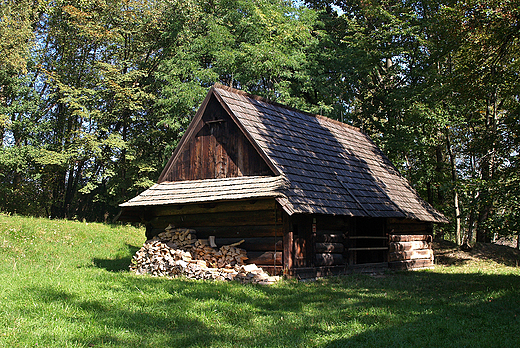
288, 251
313, 243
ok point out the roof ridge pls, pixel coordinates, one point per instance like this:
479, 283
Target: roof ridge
268, 101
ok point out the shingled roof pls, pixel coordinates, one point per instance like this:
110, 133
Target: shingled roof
327, 167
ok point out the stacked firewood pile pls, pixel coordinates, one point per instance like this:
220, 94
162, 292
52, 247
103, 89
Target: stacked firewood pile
178, 252
227, 255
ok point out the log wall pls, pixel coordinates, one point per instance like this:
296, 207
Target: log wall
329, 240
275, 241
410, 244
258, 223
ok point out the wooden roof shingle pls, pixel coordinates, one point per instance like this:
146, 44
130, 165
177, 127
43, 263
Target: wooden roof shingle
331, 167
322, 166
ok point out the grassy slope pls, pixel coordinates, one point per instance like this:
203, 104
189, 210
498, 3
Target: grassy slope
65, 284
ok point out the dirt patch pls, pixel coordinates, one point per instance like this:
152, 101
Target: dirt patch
447, 253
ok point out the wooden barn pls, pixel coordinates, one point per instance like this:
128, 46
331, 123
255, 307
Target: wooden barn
310, 196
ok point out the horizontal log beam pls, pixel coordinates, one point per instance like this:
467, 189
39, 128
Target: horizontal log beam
240, 232
240, 218
215, 207
329, 248
410, 237
411, 264
368, 248
253, 244
407, 246
329, 238
411, 255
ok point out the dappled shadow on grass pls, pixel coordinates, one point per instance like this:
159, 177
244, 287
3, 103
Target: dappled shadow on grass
447, 253
501, 254
466, 315
404, 309
117, 264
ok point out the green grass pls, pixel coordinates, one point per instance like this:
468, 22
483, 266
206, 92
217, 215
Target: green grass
66, 284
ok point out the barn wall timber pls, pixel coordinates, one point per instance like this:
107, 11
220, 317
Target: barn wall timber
330, 237
218, 149
410, 244
258, 222
315, 241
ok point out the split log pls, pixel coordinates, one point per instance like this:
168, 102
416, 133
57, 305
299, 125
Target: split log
411, 255
160, 257
407, 246
264, 258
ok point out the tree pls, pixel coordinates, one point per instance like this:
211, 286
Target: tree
437, 88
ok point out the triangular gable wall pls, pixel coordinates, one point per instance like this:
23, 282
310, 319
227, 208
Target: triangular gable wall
214, 147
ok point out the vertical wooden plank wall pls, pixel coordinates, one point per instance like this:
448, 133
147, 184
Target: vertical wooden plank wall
217, 149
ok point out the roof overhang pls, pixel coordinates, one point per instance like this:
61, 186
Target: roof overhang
209, 190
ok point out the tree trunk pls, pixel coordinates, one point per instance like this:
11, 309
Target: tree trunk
454, 179
487, 171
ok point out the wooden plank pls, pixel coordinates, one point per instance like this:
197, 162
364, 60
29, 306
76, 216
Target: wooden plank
239, 218
328, 259
329, 248
300, 252
368, 248
252, 244
405, 228
199, 158
410, 237
411, 264
240, 232
211, 145
216, 207
288, 244
264, 257
407, 231
410, 255
329, 238
406, 246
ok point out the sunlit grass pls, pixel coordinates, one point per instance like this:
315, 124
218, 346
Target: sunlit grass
66, 284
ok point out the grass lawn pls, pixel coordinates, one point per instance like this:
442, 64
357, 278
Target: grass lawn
66, 284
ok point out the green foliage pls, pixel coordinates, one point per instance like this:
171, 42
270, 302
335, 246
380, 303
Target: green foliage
435, 83
94, 96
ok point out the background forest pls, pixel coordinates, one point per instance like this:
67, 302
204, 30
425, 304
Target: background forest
95, 94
